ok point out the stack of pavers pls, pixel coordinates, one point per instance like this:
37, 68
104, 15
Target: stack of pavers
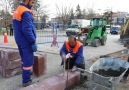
10, 62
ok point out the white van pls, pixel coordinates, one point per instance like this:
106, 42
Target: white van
108, 29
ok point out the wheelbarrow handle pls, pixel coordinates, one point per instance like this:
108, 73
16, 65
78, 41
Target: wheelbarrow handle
87, 71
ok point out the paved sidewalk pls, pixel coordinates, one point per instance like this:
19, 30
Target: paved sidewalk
111, 46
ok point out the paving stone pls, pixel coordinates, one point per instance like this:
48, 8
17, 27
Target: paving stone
14, 64
6, 64
10, 54
73, 77
39, 67
0, 62
6, 73
52, 83
57, 82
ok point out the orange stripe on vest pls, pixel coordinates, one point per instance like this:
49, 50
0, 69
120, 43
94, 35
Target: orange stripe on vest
19, 11
75, 50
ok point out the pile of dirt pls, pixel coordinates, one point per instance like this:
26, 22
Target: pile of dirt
110, 72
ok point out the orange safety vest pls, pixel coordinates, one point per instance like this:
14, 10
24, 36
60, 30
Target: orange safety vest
19, 11
74, 50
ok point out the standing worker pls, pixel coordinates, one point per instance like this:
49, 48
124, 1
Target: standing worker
25, 37
72, 53
11, 29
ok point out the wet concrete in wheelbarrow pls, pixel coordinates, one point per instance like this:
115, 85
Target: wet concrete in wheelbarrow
85, 84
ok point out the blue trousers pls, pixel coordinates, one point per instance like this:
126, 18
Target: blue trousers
27, 58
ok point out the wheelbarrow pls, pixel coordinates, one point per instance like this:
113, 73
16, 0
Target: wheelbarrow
106, 73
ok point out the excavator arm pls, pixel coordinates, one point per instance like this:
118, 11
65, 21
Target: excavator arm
125, 31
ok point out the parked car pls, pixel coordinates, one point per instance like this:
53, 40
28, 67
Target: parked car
115, 30
72, 30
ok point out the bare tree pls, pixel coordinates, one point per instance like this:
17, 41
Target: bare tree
84, 14
90, 13
41, 12
5, 13
63, 14
72, 16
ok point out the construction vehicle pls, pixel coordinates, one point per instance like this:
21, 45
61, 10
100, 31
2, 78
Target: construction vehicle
96, 33
124, 34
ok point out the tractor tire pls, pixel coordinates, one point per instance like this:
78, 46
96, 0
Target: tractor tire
96, 42
103, 41
84, 42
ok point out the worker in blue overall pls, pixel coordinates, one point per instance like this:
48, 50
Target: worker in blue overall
25, 37
72, 54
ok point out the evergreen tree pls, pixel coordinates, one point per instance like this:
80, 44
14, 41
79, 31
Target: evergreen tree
78, 12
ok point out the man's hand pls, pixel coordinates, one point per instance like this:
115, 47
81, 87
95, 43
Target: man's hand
74, 68
34, 47
68, 56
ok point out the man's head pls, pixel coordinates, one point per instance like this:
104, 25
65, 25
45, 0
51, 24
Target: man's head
72, 41
29, 2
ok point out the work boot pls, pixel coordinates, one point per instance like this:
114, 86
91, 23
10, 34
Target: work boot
27, 84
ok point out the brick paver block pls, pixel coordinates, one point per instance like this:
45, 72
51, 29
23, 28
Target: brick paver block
73, 77
39, 67
11, 64
52, 83
6, 73
0, 62
10, 54
57, 82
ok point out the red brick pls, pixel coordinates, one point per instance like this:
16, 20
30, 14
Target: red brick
1, 52
10, 72
0, 69
57, 82
14, 64
11, 64
73, 77
52, 83
39, 67
0, 62
10, 54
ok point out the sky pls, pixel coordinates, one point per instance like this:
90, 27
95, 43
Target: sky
98, 5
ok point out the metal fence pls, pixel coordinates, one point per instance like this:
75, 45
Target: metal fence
51, 35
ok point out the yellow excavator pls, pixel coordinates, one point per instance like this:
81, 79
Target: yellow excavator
124, 34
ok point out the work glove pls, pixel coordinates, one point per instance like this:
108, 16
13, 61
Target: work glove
68, 56
34, 47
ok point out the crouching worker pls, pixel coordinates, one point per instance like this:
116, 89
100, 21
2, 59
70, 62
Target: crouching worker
72, 54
